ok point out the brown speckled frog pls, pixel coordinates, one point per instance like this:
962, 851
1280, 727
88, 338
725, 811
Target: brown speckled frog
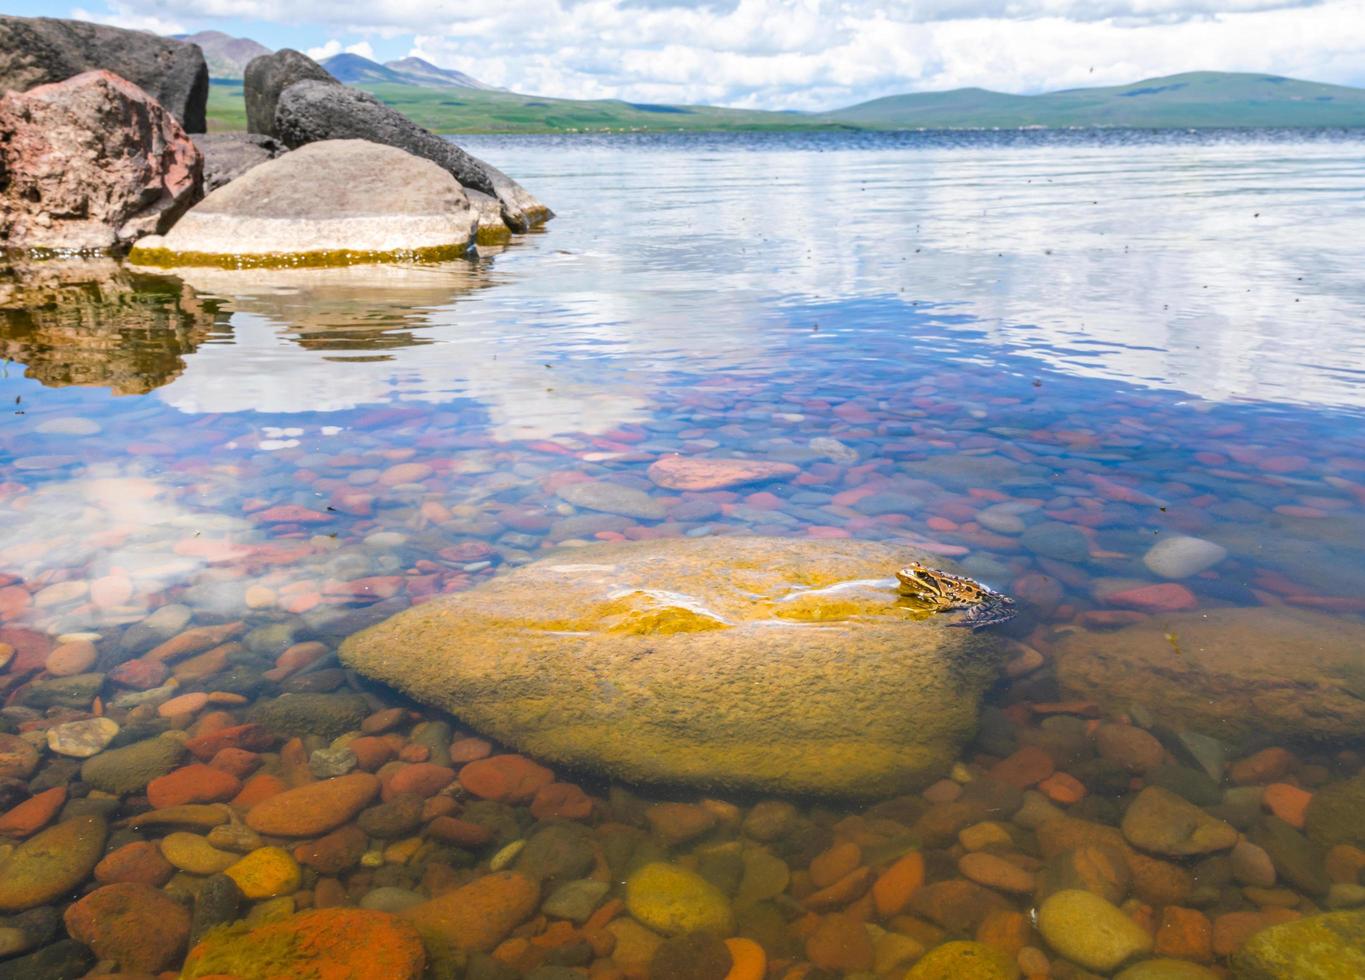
940, 592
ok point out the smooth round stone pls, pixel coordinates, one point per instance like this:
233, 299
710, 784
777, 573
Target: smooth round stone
391, 899
82, 739
1003, 518
1183, 556
192, 853
314, 809
139, 926
1329, 945
326, 763
673, 900
51, 863
72, 657
765, 646
69, 426
703, 473
576, 900
1053, 539
612, 498
963, 960
1094, 933
18, 758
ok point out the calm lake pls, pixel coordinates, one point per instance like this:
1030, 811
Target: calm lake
1119, 377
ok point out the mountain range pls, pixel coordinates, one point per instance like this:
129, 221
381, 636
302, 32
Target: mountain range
450, 101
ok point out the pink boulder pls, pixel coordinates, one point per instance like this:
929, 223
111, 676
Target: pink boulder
91, 163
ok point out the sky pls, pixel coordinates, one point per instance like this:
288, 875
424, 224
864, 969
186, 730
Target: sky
785, 54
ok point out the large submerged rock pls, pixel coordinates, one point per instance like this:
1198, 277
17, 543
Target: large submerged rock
1244, 673
91, 163
40, 50
308, 111
758, 663
328, 203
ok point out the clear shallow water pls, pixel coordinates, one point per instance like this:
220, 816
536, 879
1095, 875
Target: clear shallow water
1036, 355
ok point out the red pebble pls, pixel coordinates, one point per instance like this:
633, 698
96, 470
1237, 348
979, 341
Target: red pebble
563, 800
1166, 597
453, 830
33, 814
251, 737
238, 762
422, 778
505, 778
195, 783
141, 675
469, 749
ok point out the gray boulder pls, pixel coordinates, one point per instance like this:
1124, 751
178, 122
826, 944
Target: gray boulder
40, 50
267, 76
229, 155
309, 111
335, 202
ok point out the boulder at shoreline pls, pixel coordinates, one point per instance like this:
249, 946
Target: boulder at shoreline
744, 663
91, 163
41, 50
266, 76
330, 203
229, 155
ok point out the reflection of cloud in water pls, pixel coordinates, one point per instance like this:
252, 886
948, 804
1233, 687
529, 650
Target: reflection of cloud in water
331, 339
107, 521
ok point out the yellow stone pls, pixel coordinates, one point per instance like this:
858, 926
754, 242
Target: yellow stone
673, 900
192, 853
635, 945
964, 961
266, 873
980, 836
892, 950
401, 851
732, 662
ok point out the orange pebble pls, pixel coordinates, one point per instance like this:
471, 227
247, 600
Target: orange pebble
1063, 787
897, 884
1287, 802
748, 960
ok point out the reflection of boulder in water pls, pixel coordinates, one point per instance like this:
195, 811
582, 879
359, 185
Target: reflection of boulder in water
344, 309
92, 322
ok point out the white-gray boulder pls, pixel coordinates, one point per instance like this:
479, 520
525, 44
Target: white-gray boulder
330, 203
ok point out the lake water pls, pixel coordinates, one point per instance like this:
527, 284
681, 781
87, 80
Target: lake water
1119, 377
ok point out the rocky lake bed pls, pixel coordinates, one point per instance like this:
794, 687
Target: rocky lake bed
492, 615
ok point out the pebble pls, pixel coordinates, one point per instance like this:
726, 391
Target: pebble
192, 853
673, 900
135, 925
964, 960
841, 943
995, 872
1164, 823
267, 872
68, 659
505, 778
1129, 747
314, 809
82, 739
479, 915
1090, 931
33, 814
1181, 556
51, 863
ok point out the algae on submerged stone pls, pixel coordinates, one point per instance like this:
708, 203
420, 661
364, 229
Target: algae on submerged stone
756, 663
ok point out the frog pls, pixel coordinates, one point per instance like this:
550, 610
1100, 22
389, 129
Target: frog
938, 591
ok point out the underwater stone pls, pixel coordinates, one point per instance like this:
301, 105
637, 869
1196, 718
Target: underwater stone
1257, 673
763, 663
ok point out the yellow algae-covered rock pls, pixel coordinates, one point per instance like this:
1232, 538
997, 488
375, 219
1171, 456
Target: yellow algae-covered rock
964, 961
51, 863
266, 873
1330, 946
324, 944
1268, 672
1089, 930
674, 900
757, 663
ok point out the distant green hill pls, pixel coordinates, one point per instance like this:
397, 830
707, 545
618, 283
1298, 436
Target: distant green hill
1194, 99
1191, 100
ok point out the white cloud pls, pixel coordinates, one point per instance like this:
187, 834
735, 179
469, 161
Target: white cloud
813, 54
127, 15
335, 47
